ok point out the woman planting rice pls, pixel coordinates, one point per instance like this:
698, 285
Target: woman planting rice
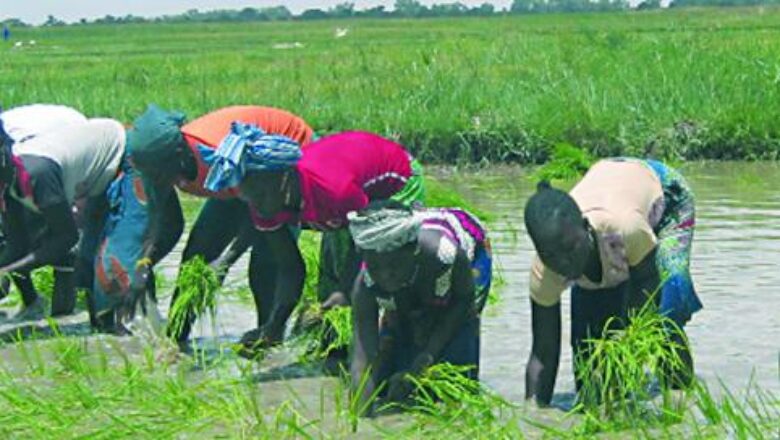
42, 178
621, 234
24, 123
429, 272
169, 156
314, 188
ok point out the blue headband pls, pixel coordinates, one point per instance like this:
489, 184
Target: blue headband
245, 149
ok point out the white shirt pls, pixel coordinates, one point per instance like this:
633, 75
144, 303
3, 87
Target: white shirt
89, 154
25, 122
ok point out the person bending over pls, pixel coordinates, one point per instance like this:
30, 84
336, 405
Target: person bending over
419, 295
623, 232
314, 188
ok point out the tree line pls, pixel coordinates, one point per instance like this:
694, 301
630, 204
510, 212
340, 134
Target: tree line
401, 9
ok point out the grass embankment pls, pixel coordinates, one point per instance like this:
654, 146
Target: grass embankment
677, 84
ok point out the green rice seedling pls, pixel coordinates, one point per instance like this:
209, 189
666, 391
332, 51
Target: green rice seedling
617, 377
43, 280
446, 402
756, 415
566, 163
198, 286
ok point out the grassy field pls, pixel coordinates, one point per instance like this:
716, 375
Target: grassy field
681, 84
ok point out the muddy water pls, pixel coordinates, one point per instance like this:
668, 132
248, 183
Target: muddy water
736, 267
735, 264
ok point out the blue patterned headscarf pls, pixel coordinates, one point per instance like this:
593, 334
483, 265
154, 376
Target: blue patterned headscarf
245, 149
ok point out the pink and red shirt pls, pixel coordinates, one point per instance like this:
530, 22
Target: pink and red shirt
343, 173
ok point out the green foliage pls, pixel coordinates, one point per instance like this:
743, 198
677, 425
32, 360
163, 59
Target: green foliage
567, 163
446, 402
617, 379
198, 286
323, 332
497, 89
107, 388
755, 415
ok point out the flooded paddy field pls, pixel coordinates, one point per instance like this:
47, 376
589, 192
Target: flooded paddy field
735, 338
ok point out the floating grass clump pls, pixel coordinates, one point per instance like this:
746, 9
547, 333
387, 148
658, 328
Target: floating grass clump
566, 163
198, 285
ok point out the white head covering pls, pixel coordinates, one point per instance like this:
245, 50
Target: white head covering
383, 230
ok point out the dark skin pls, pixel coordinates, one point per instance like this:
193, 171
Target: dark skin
166, 220
19, 255
408, 276
270, 193
576, 255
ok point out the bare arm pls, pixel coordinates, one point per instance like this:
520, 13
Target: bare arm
542, 368
291, 271
60, 238
645, 281
351, 269
365, 336
236, 249
453, 317
166, 222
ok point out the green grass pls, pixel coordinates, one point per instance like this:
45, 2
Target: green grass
106, 388
197, 286
618, 376
682, 83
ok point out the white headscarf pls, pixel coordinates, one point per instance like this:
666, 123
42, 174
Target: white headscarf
384, 230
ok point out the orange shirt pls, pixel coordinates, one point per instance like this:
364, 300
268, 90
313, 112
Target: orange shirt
209, 130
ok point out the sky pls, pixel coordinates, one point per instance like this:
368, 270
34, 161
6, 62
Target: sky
36, 11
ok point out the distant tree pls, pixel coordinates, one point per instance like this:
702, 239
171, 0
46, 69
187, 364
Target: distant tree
251, 14
409, 8
52, 21
448, 9
314, 14
342, 10
648, 4
14, 23
376, 12
483, 10
525, 6
277, 13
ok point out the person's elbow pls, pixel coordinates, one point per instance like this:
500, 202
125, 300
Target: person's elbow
69, 239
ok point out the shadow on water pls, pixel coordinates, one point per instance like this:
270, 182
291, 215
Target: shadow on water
12, 330
277, 365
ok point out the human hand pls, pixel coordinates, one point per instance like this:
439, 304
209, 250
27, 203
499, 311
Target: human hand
254, 342
138, 287
422, 362
141, 275
399, 387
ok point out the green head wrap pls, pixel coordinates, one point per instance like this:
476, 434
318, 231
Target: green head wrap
154, 138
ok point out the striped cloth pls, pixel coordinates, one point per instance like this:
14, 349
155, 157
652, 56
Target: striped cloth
247, 148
